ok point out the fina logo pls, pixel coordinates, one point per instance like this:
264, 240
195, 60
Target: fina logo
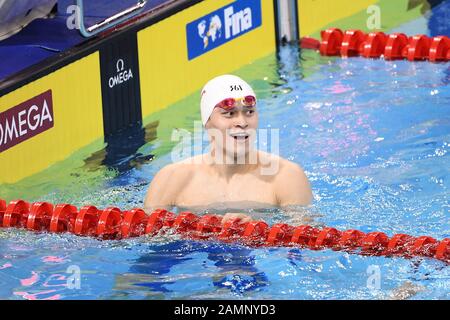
214, 30
222, 25
238, 22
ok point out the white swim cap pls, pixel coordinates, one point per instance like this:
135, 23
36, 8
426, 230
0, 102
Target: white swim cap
219, 89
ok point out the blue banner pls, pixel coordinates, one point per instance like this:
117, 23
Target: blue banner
222, 26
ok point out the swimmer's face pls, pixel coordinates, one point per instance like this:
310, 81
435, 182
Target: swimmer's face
234, 129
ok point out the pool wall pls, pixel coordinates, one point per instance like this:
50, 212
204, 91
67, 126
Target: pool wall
373, 15
112, 82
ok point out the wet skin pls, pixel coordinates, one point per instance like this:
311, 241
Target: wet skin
233, 175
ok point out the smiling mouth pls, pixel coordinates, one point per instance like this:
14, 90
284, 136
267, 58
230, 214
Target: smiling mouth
240, 136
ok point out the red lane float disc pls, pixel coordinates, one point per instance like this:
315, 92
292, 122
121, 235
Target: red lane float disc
63, 218
39, 216
305, 236
133, 223
2, 210
280, 234
16, 213
109, 223
232, 230
207, 226
157, 220
439, 49
352, 43
424, 246
185, 222
328, 238
374, 44
418, 48
331, 42
86, 221
351, 239
374, 243
395, 45
400, 244
443, 250
255, 233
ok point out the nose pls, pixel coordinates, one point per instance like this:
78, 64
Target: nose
241, 121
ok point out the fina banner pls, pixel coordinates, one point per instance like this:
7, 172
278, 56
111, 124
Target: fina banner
222, 26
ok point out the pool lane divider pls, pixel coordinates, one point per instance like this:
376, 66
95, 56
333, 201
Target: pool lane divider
351, 43
113, 223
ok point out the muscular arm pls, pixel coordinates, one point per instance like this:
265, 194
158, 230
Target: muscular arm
293, 193
292, 186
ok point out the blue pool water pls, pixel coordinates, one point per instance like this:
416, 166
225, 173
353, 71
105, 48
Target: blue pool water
373, 137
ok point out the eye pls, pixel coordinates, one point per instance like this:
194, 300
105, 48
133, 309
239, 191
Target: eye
228, 113
250, 112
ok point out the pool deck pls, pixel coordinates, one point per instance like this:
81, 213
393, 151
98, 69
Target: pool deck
44, 38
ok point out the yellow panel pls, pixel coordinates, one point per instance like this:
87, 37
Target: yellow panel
167, 75
314, 14
77, 112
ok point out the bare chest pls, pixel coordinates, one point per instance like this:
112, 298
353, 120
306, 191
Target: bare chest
203, 189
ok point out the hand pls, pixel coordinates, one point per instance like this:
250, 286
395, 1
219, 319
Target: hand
231, 215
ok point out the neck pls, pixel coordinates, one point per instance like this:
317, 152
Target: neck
227, 166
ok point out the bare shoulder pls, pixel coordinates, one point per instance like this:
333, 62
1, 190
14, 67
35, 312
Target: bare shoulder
195, 160
166, 184
291, 183
292, 169
175, 172
284, 166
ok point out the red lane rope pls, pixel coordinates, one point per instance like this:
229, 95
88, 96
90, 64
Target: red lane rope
112, 223
336, 42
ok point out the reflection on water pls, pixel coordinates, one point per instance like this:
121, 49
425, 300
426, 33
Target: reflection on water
121, 151
167, 271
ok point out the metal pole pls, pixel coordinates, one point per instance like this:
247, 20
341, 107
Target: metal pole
287, 21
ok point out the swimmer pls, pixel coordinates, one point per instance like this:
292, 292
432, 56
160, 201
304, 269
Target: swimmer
233, 173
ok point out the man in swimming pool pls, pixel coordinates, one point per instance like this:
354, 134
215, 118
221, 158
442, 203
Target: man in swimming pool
229, 174
233, 173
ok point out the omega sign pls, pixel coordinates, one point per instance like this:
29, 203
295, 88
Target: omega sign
26, 120
121, 76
